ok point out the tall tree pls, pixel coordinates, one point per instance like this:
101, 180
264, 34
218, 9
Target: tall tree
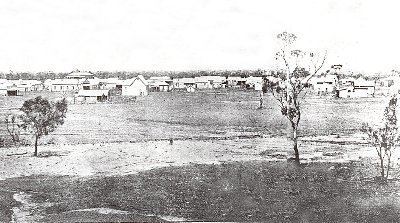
41, 116
294, 69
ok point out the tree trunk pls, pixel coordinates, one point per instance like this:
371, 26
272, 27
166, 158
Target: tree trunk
382, 168
36, 143
261, 99
295, 148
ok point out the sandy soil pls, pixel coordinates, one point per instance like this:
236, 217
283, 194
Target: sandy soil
128, 158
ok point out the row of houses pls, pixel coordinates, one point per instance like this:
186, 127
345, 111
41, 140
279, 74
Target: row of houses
355, 87
87, 87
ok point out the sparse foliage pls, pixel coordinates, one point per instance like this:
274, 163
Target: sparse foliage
13, 125
386, 138
41, 116
294, 69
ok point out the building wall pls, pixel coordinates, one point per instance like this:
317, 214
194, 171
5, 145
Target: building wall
357, 92
66, 87
324, 87
136, 89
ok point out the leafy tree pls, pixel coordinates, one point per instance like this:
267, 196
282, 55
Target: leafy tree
41, 116
294, 69
386, 138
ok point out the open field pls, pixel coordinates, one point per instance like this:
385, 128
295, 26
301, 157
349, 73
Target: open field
206, 114
114, 162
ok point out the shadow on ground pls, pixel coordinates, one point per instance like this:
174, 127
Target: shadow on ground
237, 191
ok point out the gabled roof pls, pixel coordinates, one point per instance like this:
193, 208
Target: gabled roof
129, 82
159, 83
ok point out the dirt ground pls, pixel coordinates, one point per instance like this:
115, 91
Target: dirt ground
128, 158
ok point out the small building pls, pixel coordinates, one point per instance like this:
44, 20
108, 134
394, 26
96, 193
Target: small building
360, 88
234, 81
162, 83
324, 84
65, 85
110, 83
184, 83
91, 84
388, 85
157, 86
254, 83
3, 90
217, 81
93, 96
137, 86
13, 91
202, 82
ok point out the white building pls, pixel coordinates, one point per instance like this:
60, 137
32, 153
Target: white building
217, 81
324, 84
234, 81
202, 82
388, 85
255, 83
92, 96
162, 83
184, 83
64, 85
360, 88
137, 86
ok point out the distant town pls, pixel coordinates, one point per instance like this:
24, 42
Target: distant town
97, 87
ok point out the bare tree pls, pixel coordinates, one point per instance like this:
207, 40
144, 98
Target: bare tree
294, 69
386, 138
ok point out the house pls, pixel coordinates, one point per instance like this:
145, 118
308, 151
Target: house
254, 83
80, 75
110, 83
137, 86
234, 81
157, 86
202, 82
3, 89
28, 85
163, 83
346, 81
64, 85
93, 96
91, 84
360, 88
183, 83
217, 81
324, 84
13, 91
388, 85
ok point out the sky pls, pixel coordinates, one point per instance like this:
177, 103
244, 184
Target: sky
130, 35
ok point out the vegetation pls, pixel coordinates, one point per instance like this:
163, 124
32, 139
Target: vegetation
296, 68
13, 126
385, 138
42, 117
